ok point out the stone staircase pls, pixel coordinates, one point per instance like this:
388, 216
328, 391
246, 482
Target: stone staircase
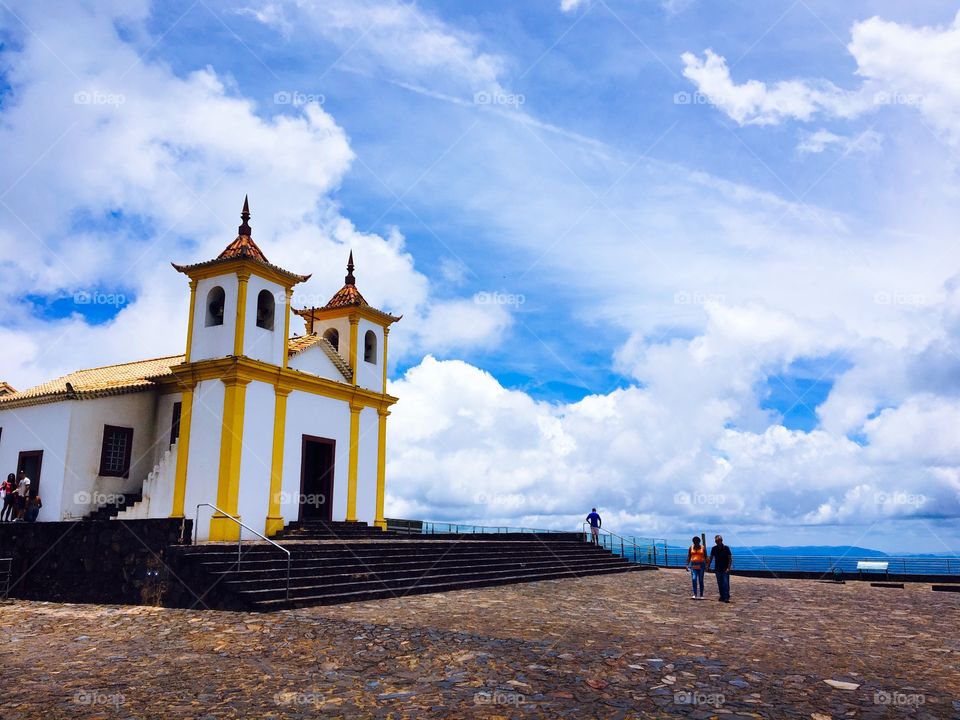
106, 512
156, 495
321, 530
382, 565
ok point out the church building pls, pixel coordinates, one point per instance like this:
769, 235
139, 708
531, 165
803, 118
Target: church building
264, 426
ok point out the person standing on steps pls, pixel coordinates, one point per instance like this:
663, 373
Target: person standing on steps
722, 560
23, 495
595, 522
696, 565
9, 488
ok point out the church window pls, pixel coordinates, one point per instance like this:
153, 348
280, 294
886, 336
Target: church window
370, 346
266, 306
333, 337
175, 423
215, 302
115, 451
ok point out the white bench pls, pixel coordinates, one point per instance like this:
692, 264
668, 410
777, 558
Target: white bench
870, 565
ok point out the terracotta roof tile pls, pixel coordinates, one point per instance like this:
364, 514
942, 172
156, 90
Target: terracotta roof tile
96, 382
243, 247
6, 388
347, 296
135, 376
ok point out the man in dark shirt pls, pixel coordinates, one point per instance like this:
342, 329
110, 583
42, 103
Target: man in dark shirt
722, 560
595, 522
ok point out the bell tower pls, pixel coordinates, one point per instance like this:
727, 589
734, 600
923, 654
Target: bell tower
240, 303
239, 310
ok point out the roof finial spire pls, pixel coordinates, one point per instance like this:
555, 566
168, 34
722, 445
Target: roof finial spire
244, 229
349, 279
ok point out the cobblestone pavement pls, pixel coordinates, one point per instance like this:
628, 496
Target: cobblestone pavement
616, 646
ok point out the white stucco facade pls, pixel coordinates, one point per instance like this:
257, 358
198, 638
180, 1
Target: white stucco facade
248, 431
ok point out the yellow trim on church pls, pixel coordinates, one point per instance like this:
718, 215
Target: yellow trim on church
227, 267
231, 447
183, 450
354, 331
274, 522
379, 520
193, 304
243, 278
386, 332
286, 327
243, 367
353, 462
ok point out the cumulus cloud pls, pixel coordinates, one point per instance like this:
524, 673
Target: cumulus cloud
898, 65
646, 463
115, 165
756, 103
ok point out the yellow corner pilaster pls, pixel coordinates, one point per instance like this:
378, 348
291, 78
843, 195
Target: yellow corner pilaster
386, 333
354, 328
354, 460
193, 304
183, 450
286, 327
381, 468
274, 523
231, 446
242, 278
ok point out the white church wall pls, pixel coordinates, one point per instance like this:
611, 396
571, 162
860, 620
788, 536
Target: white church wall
157, 501
214, 341
39, 427
342, 326
163, 424
315, 361
320, 417
260, 343
370, 375
203, 462
256, 456
84, 489
367, 467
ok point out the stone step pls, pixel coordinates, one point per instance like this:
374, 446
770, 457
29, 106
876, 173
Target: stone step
239, 581
379, 546
278, 568
361, 551
362, 567
106, 512
278, 560
425, 588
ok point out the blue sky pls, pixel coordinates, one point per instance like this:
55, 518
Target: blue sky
678, 244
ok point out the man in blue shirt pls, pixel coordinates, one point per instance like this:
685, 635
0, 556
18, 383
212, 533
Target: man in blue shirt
595, 522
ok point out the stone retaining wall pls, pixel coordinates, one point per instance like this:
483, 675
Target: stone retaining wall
106, 561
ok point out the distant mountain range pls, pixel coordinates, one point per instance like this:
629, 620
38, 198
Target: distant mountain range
835, 551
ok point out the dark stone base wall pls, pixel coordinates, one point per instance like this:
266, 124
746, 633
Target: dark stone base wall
106, 561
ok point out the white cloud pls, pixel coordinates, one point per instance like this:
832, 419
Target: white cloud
912, 66
756, 103
100, 143
899, 65
647, 463
868, 142
397, 39
571, 5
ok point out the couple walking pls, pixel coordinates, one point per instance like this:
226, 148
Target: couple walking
697, 563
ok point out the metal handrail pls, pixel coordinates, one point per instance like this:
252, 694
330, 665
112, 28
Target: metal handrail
429, 527
625, 543
196, 528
